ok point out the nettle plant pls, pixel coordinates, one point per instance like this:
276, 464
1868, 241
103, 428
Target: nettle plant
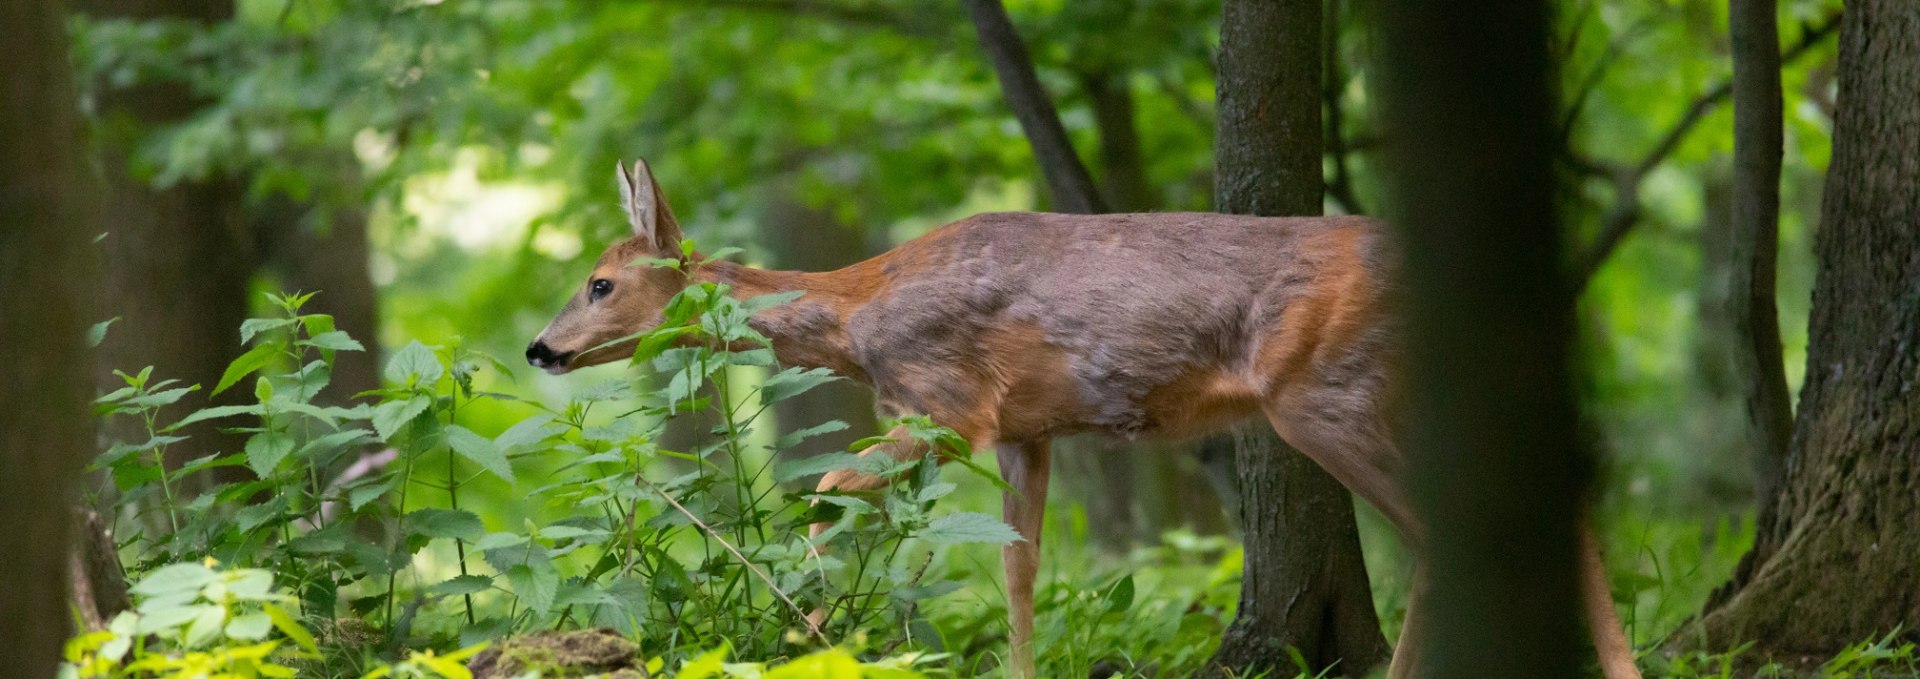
682, 550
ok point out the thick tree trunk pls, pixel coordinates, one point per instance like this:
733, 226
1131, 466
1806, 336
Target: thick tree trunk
47, 300
813, 239
1757, 146
1498, 470
179, 258
1304, 584
1067, 179
1833, 562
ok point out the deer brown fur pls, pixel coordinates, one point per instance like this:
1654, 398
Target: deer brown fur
1015, 328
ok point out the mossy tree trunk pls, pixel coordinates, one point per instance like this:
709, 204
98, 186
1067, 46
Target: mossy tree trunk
1835, 559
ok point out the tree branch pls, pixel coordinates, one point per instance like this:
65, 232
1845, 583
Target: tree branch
1068, 181
1626, 210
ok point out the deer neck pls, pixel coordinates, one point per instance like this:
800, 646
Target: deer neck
809, 331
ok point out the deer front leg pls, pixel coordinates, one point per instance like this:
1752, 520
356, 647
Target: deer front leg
902, 447
1025, 467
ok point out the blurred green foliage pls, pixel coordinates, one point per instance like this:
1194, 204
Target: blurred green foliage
482, 135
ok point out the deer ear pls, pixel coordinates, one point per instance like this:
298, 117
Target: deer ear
646, 207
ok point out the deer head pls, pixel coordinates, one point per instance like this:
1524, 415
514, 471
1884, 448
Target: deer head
623, 296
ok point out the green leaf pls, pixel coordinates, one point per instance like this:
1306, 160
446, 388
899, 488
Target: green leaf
256, 358
818, 464
535, 584
793, 382
175, 578
266, 449
391, 416
968, 527
462, 584
360, 495
414, 364
1120, 597
252, 626
795, 438
445, 523
98, 333
255, 326
290, 626
214, 413
480, 450
759, 303
206, 625
526, 432
336, 340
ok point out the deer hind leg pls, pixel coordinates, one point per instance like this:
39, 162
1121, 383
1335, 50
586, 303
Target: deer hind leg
1338, 429
1025, 467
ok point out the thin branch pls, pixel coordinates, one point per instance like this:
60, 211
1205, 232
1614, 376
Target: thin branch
812, 627
1068, 181
1626, 210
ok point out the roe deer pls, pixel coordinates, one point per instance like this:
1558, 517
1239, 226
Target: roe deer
1014, 328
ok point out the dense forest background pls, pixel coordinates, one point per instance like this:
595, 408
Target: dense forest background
440, 174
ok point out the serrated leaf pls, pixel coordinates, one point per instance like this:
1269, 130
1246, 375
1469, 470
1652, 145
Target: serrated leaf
480, 450
967, 527
793, 382
525, 432
818, 464
213, 413
536, 585
390, 417
266, 449
256, 358
336, 340
360, 495
794, 438
413, 364
97, 333
445, 523
462, 584
255, 326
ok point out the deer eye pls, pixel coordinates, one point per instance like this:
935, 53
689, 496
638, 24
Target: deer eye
599, 288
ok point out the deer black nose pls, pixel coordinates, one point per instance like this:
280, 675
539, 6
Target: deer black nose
541, 355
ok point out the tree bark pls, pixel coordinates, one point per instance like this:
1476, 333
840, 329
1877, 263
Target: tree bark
1304, 584
47, 300
1757, 147
1498, 470
1833, 562
1068, 182
312, 247
179, 257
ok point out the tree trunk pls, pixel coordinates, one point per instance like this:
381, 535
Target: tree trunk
1304, 584
1499, 472
179, 258
1757, 146
315, 247
47, 300
1833, 562
1067, 179
1718, 431
813, 239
